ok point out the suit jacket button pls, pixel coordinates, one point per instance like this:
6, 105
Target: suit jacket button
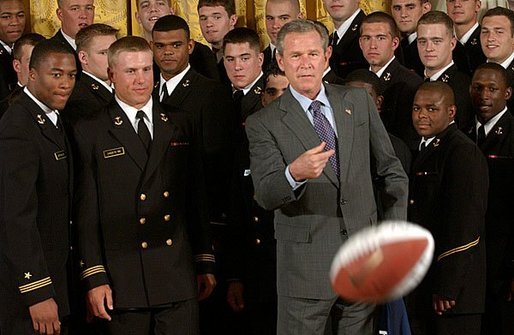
344, 232
344, 202
144, 245
142, 197
166, 194
142, 220
167, 217
256, 219
169, 242
411, 202
257, 241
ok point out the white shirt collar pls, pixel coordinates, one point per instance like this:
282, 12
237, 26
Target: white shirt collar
172, 83
438, 74
383, 68
343, 28
70, 40
491, 123
7, 47
464, 39
412, 37
249, 87
505, 64
132, 111
104, 84
426, 141
51, 114
272, 47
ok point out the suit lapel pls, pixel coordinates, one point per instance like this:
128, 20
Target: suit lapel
162, 131
123, 131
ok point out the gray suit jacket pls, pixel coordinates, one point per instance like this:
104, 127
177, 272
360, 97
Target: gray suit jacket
313, 221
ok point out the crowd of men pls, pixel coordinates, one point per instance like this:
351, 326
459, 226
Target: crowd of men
156, 185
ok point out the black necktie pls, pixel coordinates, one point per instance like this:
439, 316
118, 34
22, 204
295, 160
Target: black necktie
164, 91
142, 130
481, 135
335, 38
423, 145
427, 79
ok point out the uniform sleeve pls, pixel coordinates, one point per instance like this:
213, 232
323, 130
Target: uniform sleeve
86, 214
465, 200
20, 242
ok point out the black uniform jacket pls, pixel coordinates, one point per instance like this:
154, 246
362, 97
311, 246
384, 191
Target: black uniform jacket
448, 196
35, 188
347, 54
498, 148
7, 74
140, 216
408, 55
469, 56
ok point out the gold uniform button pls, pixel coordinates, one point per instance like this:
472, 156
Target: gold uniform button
255, 219
257, 241
169, 241
411, 201
142, 197
166, 194
144, 245
167, 217
142, 220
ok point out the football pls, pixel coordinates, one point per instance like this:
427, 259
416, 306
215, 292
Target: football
382, 263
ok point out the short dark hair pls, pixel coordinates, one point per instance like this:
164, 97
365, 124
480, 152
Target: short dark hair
86, 34
495, 67
171, 22
272, 70
301, 26
129, 44
242, 35
229, 5
365, 76
26, 39
501, 11
381, 17
437, 17
46, 47
439, 86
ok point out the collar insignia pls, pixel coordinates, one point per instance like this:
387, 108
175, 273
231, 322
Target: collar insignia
186, 83
164, 117
445, 78
436, 142
40, 119
355, 27
499, 131
95, 87
257, 90
387, 76
473, 41
118, 121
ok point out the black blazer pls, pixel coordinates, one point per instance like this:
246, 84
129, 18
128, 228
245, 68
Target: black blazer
205, 105
398, 86
141, 221
498, 148
59, 37
448, 196
347, 54
7, 101
268, 58
88, 98
204, 61
410, 56
35, 183
8, 76
469, 56
332, 78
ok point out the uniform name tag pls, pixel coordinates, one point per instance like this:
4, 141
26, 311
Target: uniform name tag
60, 155
178, 144
114, 152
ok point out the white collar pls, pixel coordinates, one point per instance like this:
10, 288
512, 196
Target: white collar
8, 48
505, 64
343, 28
104, 84
464, 39
412, 37
172, 83
70, 40
249, 87
383, 68
132, 111
491, 123
425, 141
438, 74
51, 114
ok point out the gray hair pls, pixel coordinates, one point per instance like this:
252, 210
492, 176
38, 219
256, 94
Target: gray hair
301, 26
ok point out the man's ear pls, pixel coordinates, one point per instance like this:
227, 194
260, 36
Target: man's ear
452, 111
280, 60
508, 93
83, 57
16, 64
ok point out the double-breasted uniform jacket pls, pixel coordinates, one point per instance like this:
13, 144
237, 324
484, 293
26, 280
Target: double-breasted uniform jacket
35, 183
141, 221
252, 226
459, 82
8, 77
346, 54
469, 56
206, 106
448, 196
398, 86
88, 98
409, 56
313, 221
498, 149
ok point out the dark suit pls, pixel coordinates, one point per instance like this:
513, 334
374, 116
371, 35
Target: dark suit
510, 76
35, 184
332, 78
410, 54
88, 98
8, 77
347, 54
268, 58
7, 101
203, 61
313, 221
140, 216
398, 86
498, 148
59, 37
448, 196
469, 56
459, 82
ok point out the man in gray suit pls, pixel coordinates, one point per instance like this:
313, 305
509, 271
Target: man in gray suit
321, 192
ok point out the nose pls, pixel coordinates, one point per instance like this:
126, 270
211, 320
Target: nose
457, 3
403, 12
373, 43
276, 24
